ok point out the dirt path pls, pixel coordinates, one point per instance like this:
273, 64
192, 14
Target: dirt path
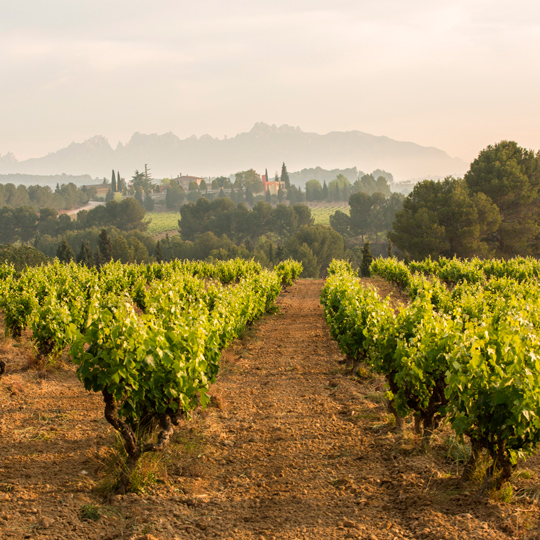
291, 448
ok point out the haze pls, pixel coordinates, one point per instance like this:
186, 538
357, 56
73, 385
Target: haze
458, 75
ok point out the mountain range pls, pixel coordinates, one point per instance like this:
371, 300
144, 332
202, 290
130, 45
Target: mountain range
263, 147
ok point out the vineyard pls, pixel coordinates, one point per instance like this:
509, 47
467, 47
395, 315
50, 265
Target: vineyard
230, 428
162, 222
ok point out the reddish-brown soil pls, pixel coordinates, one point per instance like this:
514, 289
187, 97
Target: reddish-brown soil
290, 448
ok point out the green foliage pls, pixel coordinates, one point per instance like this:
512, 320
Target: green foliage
469, 353
315, 247
21, 256
367, 259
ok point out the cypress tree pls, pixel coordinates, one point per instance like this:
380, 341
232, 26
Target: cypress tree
159, 252
367, 259
104, 250
85, 254
285, 176
114, 188
324, 191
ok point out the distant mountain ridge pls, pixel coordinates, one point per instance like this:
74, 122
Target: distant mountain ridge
263, 147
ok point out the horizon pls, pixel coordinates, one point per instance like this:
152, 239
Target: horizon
456, 76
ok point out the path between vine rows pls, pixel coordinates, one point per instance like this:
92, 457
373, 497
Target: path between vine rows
290, 448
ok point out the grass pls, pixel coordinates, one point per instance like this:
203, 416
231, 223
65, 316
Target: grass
90, 512
162, 222
322, 214
149, 471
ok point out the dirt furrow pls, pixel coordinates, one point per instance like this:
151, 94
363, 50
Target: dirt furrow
291, 447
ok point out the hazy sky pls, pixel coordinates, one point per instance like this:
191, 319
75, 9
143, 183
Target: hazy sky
458, 75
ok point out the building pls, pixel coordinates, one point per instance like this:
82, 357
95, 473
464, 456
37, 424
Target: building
272, 186
184, 181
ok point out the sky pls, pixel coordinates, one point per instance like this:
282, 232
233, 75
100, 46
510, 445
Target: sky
457, 75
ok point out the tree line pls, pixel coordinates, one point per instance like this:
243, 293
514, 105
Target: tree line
25, 223
494, 211
247, 188
64, 197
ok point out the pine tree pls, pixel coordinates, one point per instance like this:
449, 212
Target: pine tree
285, 176
114, 186
324, 191
367, 259
85, 254
64, 253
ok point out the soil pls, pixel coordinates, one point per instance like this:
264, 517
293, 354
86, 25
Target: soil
291, 447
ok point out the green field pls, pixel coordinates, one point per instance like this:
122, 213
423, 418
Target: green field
322, 215
162, 222
168, 221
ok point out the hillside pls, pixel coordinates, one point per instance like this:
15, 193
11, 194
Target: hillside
263, 147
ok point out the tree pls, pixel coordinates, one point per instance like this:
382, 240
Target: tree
295, 195
249, 196
47, 222
284, 221
64, 253
114, 188
285, 176
249, 178
25, 221
324, 243
140, 253
339, 189
142, 180
174, 197
510, 176
104, 251
303, 215
159, 252
360, 213
445, 219
341, 222
324, 195
314, 190
149, 202
367, 259
139, 194
85, 254
121, 250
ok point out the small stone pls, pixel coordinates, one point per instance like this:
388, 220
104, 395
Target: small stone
46, 522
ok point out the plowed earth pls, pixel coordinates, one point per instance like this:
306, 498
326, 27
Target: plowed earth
291, 447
